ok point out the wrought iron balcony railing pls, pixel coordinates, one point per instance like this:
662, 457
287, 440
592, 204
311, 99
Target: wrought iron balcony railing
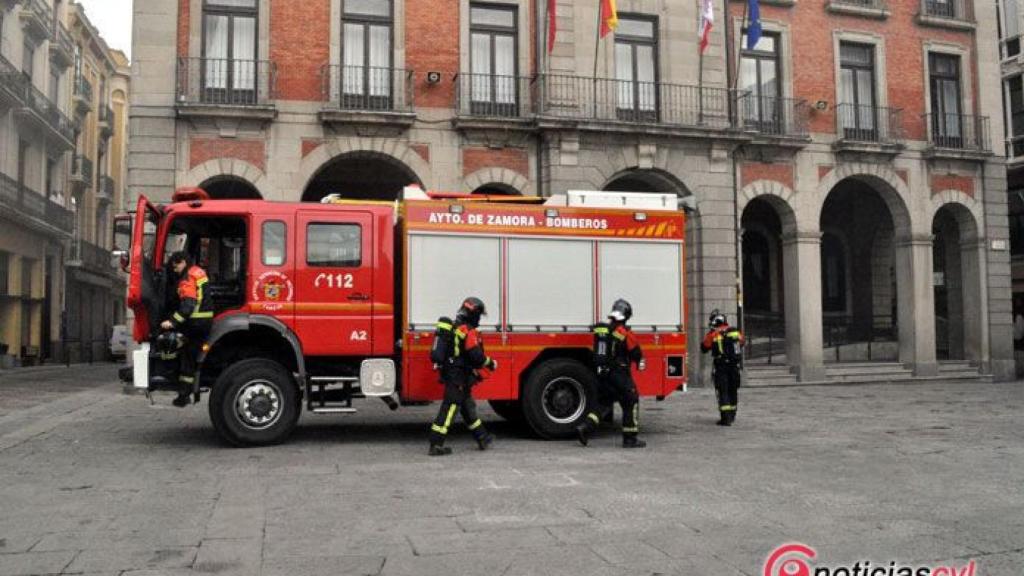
54, 118
90, 256
494, 96
367, 88
38, 16
81, 169
961, 10
105, 190
83, 91
963, 132
869, 124
12, 83
61, 43
226, 82
772, 116
31, 204
631, 102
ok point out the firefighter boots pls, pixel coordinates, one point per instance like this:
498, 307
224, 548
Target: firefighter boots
485, 440
182, 399
583, 434
631, 441
439, 450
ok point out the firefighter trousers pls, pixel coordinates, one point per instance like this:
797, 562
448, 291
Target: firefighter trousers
458, 397
195, 335
727, 384
618, 386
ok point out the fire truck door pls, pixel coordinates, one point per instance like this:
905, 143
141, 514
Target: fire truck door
334, 282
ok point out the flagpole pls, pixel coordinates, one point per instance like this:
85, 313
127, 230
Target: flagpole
597, 47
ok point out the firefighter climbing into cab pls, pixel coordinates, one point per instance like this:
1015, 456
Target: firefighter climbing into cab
615, 351
725, 344
458, 354
189, 325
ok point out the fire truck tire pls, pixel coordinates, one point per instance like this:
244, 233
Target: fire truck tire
557, 396
510, 410
254, 403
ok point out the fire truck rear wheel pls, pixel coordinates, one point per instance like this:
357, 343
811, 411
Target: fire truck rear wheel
557, 396
254, 403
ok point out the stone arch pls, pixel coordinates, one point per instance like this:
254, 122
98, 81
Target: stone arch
227, 167
656, 179
968, 212
777, 194
893, 190
321, 156
496, 175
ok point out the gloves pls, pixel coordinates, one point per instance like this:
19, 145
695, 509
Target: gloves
602, 370
642, 365
491, 364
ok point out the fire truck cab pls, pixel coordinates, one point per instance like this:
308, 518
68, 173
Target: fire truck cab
318, 305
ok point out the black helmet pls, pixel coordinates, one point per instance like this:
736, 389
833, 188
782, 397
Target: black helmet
168, 342
717, 319
472, 309
621, 311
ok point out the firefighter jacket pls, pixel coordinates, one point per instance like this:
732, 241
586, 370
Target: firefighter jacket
468, 352
725, 344
192, 303
625, 347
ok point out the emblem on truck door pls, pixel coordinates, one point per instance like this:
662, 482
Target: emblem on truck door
272, 286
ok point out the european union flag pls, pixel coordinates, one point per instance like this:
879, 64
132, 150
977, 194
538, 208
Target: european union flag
754, 26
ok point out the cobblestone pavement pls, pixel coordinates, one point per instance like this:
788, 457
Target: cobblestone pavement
95, 482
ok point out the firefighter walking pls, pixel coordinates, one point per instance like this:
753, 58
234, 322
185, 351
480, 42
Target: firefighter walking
615, 351
192, 320
725, 345
459, 357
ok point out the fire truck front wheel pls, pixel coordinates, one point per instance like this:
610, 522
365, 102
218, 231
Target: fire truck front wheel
557, 396
254, 403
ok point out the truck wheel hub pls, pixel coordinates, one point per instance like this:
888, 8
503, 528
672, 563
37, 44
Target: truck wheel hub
563, 400
258, 404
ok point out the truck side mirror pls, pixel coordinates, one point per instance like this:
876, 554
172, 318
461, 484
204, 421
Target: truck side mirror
122, 242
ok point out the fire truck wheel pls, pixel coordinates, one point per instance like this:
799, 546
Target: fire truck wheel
510, 410
557, 396
254, 403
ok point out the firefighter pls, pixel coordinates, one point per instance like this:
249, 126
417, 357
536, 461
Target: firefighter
459, 373
614, 378
726, 345
192, 320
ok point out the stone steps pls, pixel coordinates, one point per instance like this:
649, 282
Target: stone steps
759, 375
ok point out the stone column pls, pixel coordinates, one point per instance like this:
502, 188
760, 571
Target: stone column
802, 278
916, 303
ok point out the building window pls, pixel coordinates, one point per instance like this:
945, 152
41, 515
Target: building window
492, 60
28, 59
944, 82
1009, 29
5, 273
366, 55
23, 149
54, 86
229, 51
51, 178
857, 110
636, 68
759, 78
334, 245
1015, 96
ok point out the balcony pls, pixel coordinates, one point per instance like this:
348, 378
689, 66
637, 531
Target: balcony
1015, 150
491, 101
81, 173
958, 136
956, 14
105, 190
37, 18
12, 85
62, 48
82, 96
775, 119
867, 128
364, 95
90, 257
226, 88
32, 209
106, 121
867, 8
626, 106
48, 118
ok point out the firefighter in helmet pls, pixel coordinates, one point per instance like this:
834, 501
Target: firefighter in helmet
726, 347
615, 351
459, 373
191, 322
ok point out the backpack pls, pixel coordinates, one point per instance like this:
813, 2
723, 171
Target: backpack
444, 341
603, 354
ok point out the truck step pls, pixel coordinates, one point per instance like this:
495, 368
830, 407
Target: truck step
332, 410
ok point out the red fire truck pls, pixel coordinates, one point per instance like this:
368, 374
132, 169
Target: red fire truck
318, 305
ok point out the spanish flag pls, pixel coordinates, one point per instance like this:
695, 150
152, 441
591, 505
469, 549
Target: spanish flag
609, 17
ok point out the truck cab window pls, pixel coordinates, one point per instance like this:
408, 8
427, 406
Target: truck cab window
218, 245
274, 243
334, 245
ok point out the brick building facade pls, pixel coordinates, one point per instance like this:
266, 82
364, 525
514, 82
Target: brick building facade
843, 171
